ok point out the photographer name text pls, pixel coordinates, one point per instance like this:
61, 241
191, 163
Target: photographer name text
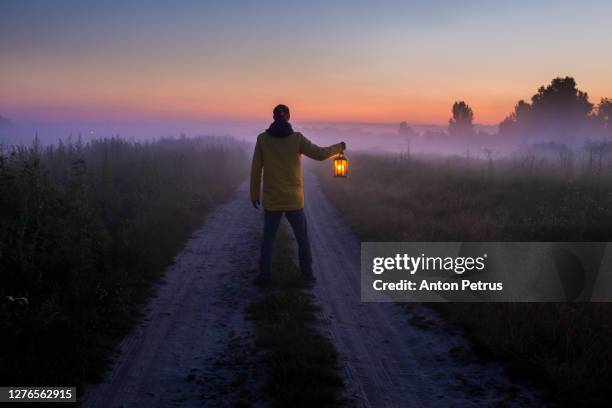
413, 264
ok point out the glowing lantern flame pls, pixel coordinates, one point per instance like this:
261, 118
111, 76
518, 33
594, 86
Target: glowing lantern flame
340, 165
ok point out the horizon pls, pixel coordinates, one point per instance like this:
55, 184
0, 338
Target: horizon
70, 62
171, 236
321, 131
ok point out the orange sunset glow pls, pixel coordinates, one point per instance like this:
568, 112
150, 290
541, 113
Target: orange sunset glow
331, 64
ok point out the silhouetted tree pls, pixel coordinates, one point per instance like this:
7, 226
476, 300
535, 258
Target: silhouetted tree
560, 101
604, 115
407, 133
461, 122
517, 120
559, 110
406, 130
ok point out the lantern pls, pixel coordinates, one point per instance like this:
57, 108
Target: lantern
340, 165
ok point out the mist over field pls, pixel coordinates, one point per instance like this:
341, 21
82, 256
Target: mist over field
558, 122
376, 138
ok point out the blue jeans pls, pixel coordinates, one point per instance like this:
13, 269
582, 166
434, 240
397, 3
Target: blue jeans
297, 219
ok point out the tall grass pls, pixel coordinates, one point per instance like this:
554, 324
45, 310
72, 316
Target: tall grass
391, 198
457, 198
302, 365
85, 229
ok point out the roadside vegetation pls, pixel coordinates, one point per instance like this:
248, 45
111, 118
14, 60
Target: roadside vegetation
85, 231
526, 198
302, 364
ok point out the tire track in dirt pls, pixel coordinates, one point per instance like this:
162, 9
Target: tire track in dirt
194, 340
386, 360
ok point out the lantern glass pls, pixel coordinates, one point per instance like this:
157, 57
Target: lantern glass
340, 166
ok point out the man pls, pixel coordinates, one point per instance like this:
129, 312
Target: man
278, 153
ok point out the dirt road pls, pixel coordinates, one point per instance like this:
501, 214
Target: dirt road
194, 341
393, 355
185, 351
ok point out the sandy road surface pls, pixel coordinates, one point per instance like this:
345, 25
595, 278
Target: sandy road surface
186, 350
387, 361
194, 340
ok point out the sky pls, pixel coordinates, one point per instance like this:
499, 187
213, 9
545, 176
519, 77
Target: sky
368, 62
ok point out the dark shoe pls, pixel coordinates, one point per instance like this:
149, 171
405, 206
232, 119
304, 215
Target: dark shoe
262, 281
309, 279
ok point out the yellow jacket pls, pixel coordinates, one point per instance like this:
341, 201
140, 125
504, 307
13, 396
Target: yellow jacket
280, 160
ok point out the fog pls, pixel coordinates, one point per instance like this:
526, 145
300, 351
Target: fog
24, 132
375, 138
371, 138
559, 120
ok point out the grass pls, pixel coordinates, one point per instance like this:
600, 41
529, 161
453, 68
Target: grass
447, 199
302, 364
85, 232
565, 346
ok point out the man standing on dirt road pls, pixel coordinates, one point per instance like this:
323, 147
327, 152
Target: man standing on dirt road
278, 153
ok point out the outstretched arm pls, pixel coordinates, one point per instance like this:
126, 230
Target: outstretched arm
256, 170
315, 152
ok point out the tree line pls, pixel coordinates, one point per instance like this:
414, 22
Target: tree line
557, 112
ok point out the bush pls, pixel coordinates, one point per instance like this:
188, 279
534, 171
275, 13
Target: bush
85, 229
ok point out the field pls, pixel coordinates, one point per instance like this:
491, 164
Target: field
85, 231
401, 198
